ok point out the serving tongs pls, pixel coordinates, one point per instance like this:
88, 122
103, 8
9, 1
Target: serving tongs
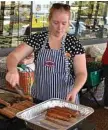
21, 93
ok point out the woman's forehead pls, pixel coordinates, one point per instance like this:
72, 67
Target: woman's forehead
60, 14
60, 11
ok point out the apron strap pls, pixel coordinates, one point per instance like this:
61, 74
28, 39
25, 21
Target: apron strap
45, 42
66, 60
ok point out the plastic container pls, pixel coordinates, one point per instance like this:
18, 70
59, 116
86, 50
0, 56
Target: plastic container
94, 78
26, 81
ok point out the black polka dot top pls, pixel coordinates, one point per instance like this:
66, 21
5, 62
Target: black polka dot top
72, 46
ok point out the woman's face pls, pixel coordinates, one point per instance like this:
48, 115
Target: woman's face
59, 22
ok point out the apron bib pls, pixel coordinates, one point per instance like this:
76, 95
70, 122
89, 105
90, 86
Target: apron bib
53, 79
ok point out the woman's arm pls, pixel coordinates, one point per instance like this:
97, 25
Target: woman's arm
17, 55
80, 76
80, 71
13, 59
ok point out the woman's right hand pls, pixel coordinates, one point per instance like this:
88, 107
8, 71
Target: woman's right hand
13, 77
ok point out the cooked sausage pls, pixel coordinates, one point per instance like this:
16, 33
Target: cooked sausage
57, 116
74, 113
19, 107
29, 102
53, 110
4, 102
13, 109
7, 113
27, 97
26, 103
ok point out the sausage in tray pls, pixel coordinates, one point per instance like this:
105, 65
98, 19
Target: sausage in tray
62, 113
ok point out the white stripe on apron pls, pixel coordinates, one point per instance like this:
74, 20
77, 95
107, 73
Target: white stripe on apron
53, 79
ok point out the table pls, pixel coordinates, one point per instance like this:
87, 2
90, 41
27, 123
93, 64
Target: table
17, 124
85, 125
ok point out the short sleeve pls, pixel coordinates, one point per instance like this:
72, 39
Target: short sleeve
79, 49
32, 41
73, 45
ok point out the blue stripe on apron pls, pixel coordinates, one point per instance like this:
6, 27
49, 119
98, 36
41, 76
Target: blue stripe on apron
53, 78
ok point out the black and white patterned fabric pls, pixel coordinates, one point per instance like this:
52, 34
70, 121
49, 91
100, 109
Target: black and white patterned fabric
72, 46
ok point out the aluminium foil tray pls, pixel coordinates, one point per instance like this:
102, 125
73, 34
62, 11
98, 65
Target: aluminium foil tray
35, 115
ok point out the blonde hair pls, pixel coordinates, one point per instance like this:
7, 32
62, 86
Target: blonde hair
58, 6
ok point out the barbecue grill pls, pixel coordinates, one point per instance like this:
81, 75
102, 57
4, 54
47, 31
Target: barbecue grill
18, 124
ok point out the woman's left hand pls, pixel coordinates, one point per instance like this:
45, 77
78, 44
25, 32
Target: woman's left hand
72, 96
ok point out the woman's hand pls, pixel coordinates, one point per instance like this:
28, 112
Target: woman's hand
13, 77
72, 96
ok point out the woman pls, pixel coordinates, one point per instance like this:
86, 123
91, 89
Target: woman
59, 59
105, 75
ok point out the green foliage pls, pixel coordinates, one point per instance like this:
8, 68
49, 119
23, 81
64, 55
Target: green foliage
89, 4
6, 28
94, 66
16, 26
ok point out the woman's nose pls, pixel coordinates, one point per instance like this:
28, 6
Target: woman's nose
60, 26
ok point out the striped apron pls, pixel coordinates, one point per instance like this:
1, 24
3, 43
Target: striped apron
53, 79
